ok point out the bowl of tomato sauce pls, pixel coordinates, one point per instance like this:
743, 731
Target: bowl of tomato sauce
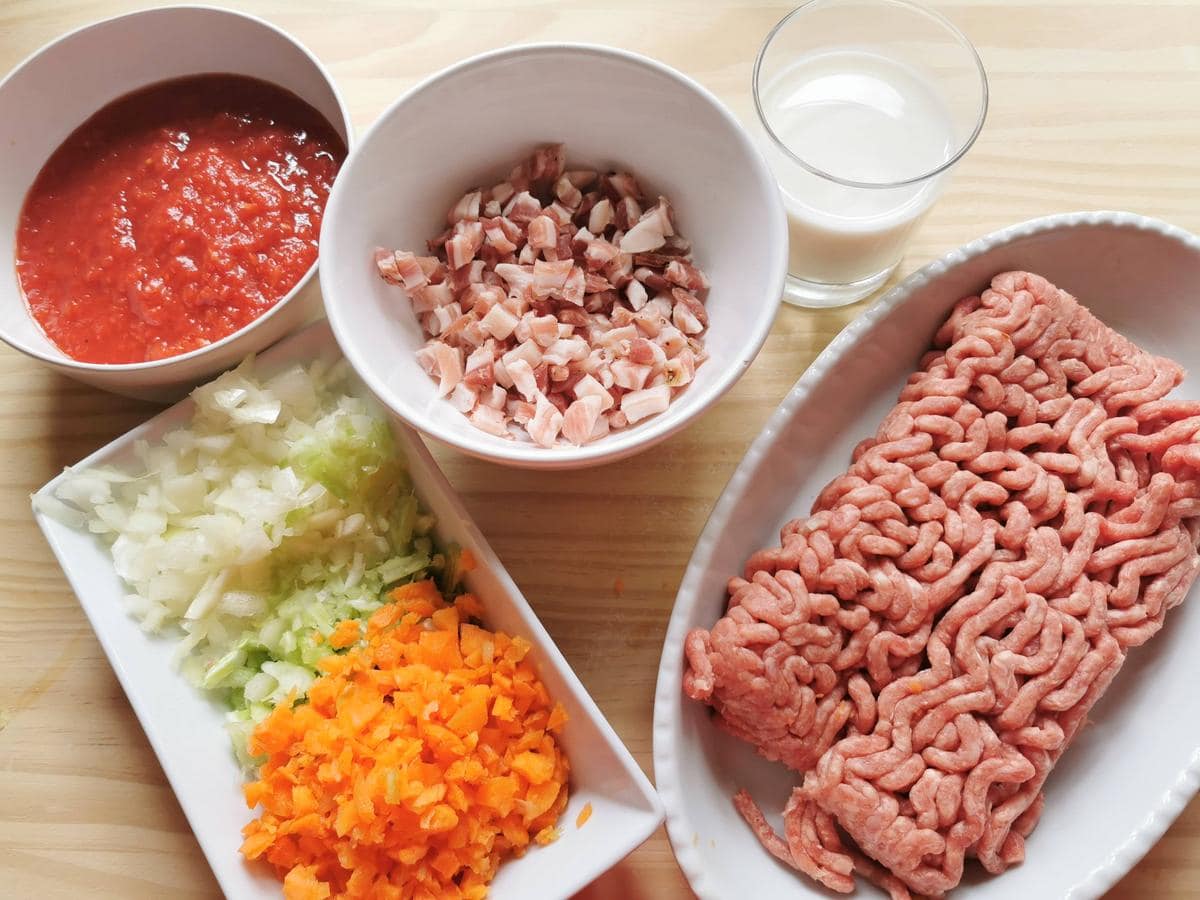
165, 175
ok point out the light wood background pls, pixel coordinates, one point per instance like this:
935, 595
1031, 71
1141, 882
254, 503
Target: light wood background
1094, 105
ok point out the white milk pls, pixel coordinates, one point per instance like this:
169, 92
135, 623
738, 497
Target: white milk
862, 117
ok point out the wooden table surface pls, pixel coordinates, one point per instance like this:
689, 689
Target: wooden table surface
1093, 105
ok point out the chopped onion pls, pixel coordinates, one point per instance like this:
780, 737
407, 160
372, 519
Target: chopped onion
279, 510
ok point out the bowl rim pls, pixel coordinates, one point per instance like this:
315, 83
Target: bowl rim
668, 694
62, 361
633, 440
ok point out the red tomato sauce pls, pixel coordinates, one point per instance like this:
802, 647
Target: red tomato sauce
175, 216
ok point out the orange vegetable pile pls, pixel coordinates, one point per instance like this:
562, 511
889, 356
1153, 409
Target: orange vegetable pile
425, 755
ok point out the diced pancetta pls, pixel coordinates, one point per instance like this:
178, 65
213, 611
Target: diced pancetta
637, 405
577, 309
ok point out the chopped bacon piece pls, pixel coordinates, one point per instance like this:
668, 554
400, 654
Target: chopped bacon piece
601, 216
599, 302
385, 262
527, 350
647, 353
407, 268
467, 240
427, 360
682, 369
522, 208
489, 419
672, 340
520, 411
628, 375
624, 185
522, 375
637, 405
600, 253
503, 192
564, 249
612, 338
546, 422
547, 163
549, 277
543, 329
652, 260
499, 322
635, 292
588, 386
580, 420
593, 283
472, 334
466, 208
626, 213
575, 286
449, 363
496, 237
688, 314
543, 232
495, 398
430, 296
620, 270
559, 213
654, 281
517, 277
621, 316
575, 317
651, 230
481, 377
463, 398
568, 194
686, 275
566, 350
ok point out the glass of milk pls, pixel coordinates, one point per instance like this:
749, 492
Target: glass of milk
865, 106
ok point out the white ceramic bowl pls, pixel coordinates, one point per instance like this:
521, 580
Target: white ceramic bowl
1128, 774
52, 92
469, 125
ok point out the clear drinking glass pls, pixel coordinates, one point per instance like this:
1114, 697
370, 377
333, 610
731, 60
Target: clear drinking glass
866, 105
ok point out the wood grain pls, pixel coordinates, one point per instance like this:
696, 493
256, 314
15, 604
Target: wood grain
1093, 106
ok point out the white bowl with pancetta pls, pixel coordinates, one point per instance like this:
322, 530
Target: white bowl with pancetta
467, 126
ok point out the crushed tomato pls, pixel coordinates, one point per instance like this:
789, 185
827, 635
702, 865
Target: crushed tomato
175, 216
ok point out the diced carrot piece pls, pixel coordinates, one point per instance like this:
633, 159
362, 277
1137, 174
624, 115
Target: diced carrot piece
535, 767
301, 884
584, 815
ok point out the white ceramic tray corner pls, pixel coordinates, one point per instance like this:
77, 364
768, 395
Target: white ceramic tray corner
186, 731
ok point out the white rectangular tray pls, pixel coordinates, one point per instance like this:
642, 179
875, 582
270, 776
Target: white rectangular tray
1128, 774
186, 728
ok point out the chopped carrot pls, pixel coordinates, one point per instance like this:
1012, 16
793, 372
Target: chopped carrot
346, 633
425, 756
301, 884
467, 561
584, 815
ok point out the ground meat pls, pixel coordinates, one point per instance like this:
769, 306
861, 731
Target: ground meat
926, 644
